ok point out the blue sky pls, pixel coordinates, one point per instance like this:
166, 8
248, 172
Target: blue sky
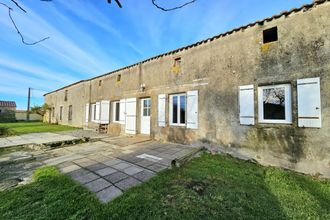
91, 37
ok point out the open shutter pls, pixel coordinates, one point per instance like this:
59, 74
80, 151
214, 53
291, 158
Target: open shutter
309, 102
105, 111
122, 111
161, 110
97, 113
87, 113
192, 109
93, 113
246, 105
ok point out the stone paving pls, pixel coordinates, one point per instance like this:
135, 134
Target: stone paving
110, 165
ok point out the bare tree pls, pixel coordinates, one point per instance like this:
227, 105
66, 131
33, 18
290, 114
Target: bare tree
10, 9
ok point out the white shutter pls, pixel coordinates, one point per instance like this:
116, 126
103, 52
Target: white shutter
309, 102
246, 105
97, 113
130, 122
87, 113
192, 109
93, 108
105, 111
161, 110
122, 111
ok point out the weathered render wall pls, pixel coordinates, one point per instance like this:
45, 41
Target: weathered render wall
216, 69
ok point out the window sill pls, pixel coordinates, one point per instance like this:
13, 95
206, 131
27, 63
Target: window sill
275, 122
178, 125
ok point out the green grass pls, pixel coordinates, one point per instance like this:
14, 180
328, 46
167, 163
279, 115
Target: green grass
209, 187
17, 128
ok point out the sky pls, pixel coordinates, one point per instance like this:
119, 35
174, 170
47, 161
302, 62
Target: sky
91, 37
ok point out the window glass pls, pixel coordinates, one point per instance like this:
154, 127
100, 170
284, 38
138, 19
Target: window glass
274, 103
61, 110
175, 110
117, 111
182, 109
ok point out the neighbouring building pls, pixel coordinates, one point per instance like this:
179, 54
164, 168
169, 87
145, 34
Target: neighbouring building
260, 91
7, 111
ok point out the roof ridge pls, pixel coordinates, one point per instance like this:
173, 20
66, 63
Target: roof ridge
276, 16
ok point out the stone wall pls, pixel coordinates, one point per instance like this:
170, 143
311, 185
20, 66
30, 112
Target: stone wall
216, 69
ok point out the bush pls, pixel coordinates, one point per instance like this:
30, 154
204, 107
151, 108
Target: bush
7, 116
4, 131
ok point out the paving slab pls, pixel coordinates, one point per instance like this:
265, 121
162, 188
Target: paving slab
122, 166
144, 175
116, 177
127, 183
97, 166
106, 171
86, 178
98, 185
108, 194
132, 170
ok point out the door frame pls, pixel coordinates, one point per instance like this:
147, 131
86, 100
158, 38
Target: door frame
142, 117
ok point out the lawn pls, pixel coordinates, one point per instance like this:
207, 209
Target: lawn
17, 128
209, 187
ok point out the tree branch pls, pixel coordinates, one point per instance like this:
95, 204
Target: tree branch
15, 26
174, 8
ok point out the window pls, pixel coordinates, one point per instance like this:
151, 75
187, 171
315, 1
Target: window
70, 113
118, 77
275, 104
100, 82
66, 95
270, 35
178, 109
146, 107
61, 112
116, 111
177, 62
94, 112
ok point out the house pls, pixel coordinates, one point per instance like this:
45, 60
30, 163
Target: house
259, 91
7, 111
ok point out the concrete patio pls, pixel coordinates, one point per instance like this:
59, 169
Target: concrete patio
109, 165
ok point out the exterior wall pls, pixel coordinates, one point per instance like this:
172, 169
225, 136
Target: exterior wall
216, 69
7, 114
21, 116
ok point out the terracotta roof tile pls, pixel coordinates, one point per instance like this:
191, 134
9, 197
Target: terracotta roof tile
7, 104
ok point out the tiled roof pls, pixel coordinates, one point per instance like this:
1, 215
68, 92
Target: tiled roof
7, 104
284, 13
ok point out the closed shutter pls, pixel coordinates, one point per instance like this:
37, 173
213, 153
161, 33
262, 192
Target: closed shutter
161, 110
105, 111
192, 109
97, 113
86, 113
309, 102
246, 105
122, 111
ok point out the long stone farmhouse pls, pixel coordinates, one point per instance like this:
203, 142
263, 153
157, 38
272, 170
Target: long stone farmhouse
260, 91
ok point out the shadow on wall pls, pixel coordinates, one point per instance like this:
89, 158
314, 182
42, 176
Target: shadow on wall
287, 140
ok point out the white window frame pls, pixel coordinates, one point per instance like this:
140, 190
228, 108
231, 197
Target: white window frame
178, 113
288, 104
93, 112
114, 109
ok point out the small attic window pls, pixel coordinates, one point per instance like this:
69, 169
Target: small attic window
118, 77
270, 35
177, 62
100, 82
66, 95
